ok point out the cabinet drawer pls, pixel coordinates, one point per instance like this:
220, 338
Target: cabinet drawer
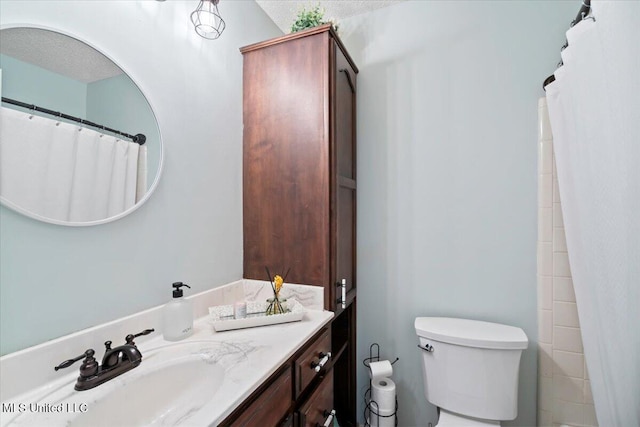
271, 406
312, 361
316, 410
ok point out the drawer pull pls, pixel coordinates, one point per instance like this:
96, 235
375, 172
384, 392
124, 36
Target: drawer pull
343, 287
329, 415
323, 361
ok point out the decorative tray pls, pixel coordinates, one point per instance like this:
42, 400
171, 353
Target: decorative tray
222, 316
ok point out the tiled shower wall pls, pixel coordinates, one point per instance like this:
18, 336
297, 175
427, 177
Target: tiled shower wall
564, 392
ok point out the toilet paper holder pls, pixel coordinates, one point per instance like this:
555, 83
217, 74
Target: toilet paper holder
371, 407
374, 355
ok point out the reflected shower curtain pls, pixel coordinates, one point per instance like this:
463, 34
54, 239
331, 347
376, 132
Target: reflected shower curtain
64, 172
594, 108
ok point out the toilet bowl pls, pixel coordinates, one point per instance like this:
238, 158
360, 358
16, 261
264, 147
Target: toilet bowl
470, 369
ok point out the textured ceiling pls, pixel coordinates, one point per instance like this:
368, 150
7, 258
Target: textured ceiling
283, 12
58, 53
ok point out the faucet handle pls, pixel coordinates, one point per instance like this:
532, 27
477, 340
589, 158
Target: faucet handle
87, 355
107, 345
129, 338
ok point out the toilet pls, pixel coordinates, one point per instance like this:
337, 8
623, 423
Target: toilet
470, 369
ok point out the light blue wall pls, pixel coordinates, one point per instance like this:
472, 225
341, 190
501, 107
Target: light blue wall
34, 85
55, 280
117, 102
447, 110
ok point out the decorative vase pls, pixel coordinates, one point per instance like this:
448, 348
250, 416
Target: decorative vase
276, 305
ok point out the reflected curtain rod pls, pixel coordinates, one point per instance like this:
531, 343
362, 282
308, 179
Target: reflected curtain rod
139, 138
582, 14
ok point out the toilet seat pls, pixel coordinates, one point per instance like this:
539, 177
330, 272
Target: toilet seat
449, 419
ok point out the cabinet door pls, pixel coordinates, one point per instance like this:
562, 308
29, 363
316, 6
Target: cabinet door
317, 409
344, 168
306, 366
286, 201
270, 407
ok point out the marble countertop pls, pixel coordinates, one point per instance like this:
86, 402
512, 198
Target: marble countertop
244, 358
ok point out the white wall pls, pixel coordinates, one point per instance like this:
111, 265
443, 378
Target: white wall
447, 113
55, 280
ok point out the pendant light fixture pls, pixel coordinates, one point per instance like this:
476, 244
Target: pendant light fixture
207, 20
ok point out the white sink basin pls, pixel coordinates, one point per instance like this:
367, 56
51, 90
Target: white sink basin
169, 385
160, 397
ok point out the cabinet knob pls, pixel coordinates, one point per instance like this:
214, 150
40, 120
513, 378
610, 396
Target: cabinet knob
329, 415
317, 366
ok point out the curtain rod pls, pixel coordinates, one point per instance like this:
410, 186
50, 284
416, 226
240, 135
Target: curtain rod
582, 14
139, 138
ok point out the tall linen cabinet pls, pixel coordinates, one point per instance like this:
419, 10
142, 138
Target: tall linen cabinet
299, 179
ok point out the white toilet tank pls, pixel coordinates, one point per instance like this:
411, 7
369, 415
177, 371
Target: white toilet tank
471, 367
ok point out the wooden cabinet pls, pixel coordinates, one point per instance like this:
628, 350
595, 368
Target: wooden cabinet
343, 175
318, 407
271, 406
299, 175
299, 161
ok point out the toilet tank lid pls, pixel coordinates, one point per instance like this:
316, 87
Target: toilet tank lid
471, 333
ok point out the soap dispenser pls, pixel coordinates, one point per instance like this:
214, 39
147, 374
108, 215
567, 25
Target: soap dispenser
177, 315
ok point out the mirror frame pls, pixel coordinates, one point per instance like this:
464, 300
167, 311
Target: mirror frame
10, 205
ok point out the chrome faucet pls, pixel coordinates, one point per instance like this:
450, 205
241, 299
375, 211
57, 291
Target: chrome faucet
115, 361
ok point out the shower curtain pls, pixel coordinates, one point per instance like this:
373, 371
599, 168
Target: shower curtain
594, 108
64, 172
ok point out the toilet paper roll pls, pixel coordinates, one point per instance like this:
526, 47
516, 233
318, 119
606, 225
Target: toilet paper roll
381, 419
381, 369
383, 401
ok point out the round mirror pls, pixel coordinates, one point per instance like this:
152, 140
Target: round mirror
79, 142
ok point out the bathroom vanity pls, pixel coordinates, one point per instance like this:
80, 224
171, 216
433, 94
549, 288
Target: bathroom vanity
263, 376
